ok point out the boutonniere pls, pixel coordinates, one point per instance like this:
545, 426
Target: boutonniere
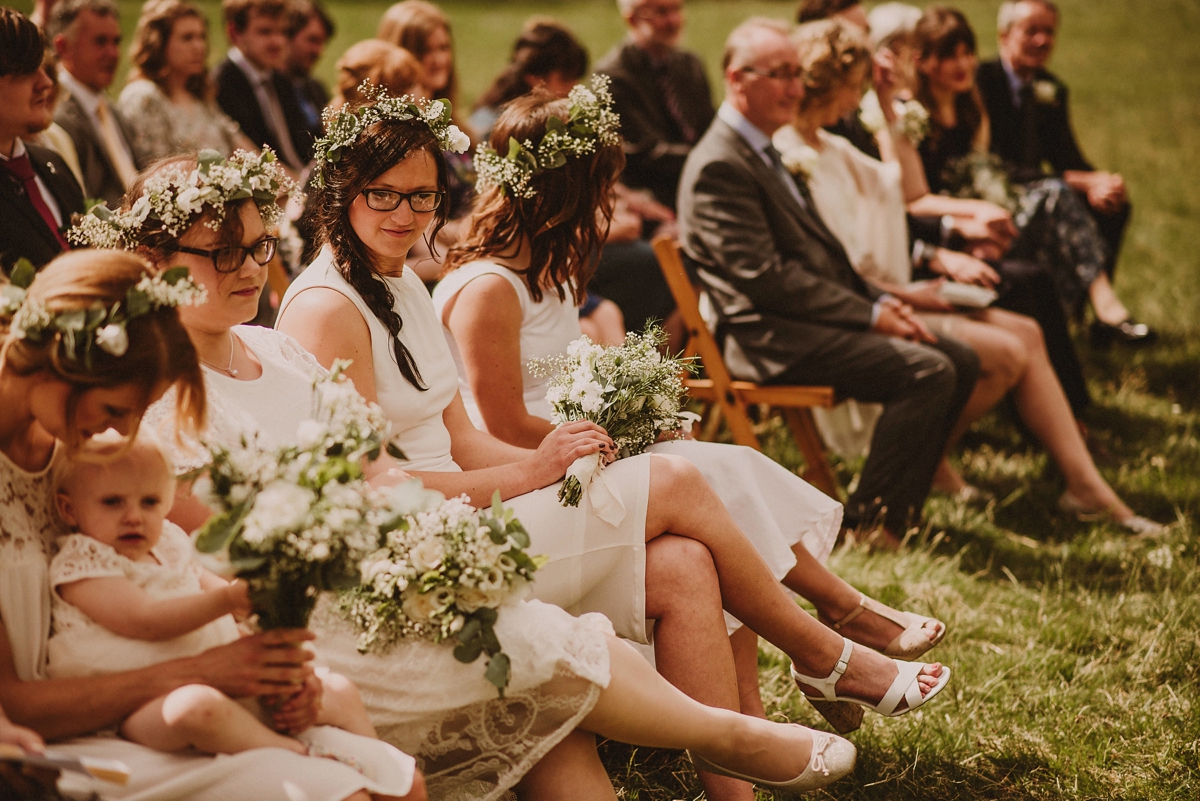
800, 160
870, 113
1045, 92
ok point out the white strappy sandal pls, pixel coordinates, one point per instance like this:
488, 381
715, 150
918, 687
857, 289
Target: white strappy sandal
832, 758
910, 643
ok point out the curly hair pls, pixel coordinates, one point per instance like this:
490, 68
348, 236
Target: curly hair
149, 49
564, 223
381, 146
832, 53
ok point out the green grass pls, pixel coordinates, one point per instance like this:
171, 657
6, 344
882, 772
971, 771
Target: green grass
1075, 648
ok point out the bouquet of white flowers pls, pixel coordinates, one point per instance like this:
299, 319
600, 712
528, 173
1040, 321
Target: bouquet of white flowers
982, 176
296, 521
629, 390
444, 570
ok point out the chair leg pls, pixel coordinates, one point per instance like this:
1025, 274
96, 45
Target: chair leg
711, 422
818, 472
739, 424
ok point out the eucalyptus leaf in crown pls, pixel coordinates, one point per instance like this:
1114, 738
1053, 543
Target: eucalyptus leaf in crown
590, 122
343, 126
174, 197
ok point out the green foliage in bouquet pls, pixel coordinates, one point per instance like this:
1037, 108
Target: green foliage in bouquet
981, 176
443, 572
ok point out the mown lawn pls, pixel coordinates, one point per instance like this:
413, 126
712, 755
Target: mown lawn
1075, 649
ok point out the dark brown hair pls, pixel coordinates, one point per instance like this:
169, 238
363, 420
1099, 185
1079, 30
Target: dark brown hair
380, 146
812, 10
302, 12
149, 49
21, 43
160, 351
938, 34
544, 46
238, 12
565, 222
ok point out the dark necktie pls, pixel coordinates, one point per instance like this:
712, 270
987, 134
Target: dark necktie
22, 169
671, 100
798, 189
1031, 149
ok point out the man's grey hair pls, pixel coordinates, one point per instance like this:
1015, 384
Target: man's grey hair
739, 47
67, 11
1007, 16
892, 21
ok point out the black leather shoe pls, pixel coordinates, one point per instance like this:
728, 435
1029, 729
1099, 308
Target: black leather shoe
1127, 332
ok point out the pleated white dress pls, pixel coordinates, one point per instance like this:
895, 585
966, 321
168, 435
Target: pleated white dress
773, 507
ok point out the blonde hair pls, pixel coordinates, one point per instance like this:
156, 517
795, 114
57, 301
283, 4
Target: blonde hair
104, 452
159, 353
383, 64
831, 53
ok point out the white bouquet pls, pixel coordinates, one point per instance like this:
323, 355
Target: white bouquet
295, 522
912, 118
982, 176
629, 390
444, 570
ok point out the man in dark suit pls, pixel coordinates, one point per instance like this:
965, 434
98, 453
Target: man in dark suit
1031, 125
38, 193
250, 85
791, 308
309, 28
661, 93
87, 39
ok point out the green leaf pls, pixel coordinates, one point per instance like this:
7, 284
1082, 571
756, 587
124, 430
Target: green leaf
207, 158
137, 302
394, 451
217, 532
23, 273
498, 672
174, 275
469, 631
468, 652
496, 530
497, 506
514, 148
247, 564
518, 533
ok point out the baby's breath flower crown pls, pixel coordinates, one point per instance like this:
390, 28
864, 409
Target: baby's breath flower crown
98, 326
175, 197
343, 127
590, 120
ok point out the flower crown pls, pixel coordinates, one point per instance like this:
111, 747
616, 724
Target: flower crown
590, 120
343, 127
175, 196
98, 325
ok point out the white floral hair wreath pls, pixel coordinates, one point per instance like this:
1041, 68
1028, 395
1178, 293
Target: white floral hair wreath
174, 197
590, 120
97, 326
343, 127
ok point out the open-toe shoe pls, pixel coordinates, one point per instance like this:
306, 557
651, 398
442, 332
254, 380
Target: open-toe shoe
846, 718
1134, 524
910, 643
832, 758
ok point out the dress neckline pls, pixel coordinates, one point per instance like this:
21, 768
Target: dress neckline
8, 461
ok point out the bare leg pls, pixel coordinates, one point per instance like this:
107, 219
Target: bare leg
691, 649
745, 659
572, 769
605, 325
203, 718
343, 707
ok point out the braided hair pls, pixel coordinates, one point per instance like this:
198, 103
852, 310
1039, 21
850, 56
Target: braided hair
381, 146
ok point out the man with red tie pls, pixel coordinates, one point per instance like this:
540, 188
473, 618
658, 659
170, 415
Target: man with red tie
38, 193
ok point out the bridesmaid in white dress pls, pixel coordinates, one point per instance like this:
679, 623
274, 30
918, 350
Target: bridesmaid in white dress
570, 676
358, 301
53, 403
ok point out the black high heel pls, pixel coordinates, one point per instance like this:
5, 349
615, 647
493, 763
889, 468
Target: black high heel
1126, 332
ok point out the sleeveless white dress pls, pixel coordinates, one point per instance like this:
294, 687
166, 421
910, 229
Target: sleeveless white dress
469, 743
29, 527
773, 507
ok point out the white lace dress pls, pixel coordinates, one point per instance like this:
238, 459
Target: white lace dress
29, 527
79, 646
772, 506
469, 743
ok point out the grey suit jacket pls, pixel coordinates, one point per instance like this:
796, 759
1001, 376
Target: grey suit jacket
781, 282
100, 177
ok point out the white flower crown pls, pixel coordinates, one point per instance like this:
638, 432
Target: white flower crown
590, 120
343, 127
98, 325
175, 197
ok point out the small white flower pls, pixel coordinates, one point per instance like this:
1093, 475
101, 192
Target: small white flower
1045, 92
428, 555
870, 113
190, 200
459, 141
309, 434
281, 506
420, 606
113, 339
801, 160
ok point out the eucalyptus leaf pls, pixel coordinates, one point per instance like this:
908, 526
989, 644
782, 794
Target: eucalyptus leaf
394, 451
498, 672
23, 273
216, 533
468, 652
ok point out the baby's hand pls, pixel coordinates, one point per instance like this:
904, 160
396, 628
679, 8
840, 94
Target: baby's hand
239, 599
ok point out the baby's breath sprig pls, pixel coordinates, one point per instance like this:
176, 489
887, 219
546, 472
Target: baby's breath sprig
590, 122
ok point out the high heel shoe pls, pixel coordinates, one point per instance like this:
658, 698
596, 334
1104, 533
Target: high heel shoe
908, 644
832, 758
846, 718
1134, 524
1126, 332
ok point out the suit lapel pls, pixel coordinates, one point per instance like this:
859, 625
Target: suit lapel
84, 122
15, 198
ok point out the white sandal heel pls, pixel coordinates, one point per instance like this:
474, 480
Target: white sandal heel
832, 758
845, 718
910, 643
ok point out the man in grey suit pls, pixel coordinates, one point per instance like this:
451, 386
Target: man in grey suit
87, 37
791, 308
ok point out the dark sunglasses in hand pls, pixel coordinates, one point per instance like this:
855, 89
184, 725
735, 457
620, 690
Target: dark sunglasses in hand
387, 200
230, 259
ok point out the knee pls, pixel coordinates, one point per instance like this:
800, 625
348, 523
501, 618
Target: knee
676, 476
1010, 358
338, 692
679, 569
195, 707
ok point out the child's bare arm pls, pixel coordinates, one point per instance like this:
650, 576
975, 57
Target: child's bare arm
123, 608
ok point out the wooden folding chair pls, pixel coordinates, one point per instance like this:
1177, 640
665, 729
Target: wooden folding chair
729, 397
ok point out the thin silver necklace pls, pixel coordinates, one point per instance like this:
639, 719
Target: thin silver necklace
232, 372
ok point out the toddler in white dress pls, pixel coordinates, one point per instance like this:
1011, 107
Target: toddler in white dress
128, 594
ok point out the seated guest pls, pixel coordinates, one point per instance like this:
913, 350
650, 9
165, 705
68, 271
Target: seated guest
55, 136
661, 93
382, 64
790, 306
250, 87
167, 101
87, 38
851, 11
862, 201
1027, 106
309, 29
38, 193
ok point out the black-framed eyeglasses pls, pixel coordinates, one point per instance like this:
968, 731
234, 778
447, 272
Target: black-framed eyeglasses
782, 73
231, 259
387, 200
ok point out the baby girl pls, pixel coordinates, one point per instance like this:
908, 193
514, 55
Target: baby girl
128, 593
